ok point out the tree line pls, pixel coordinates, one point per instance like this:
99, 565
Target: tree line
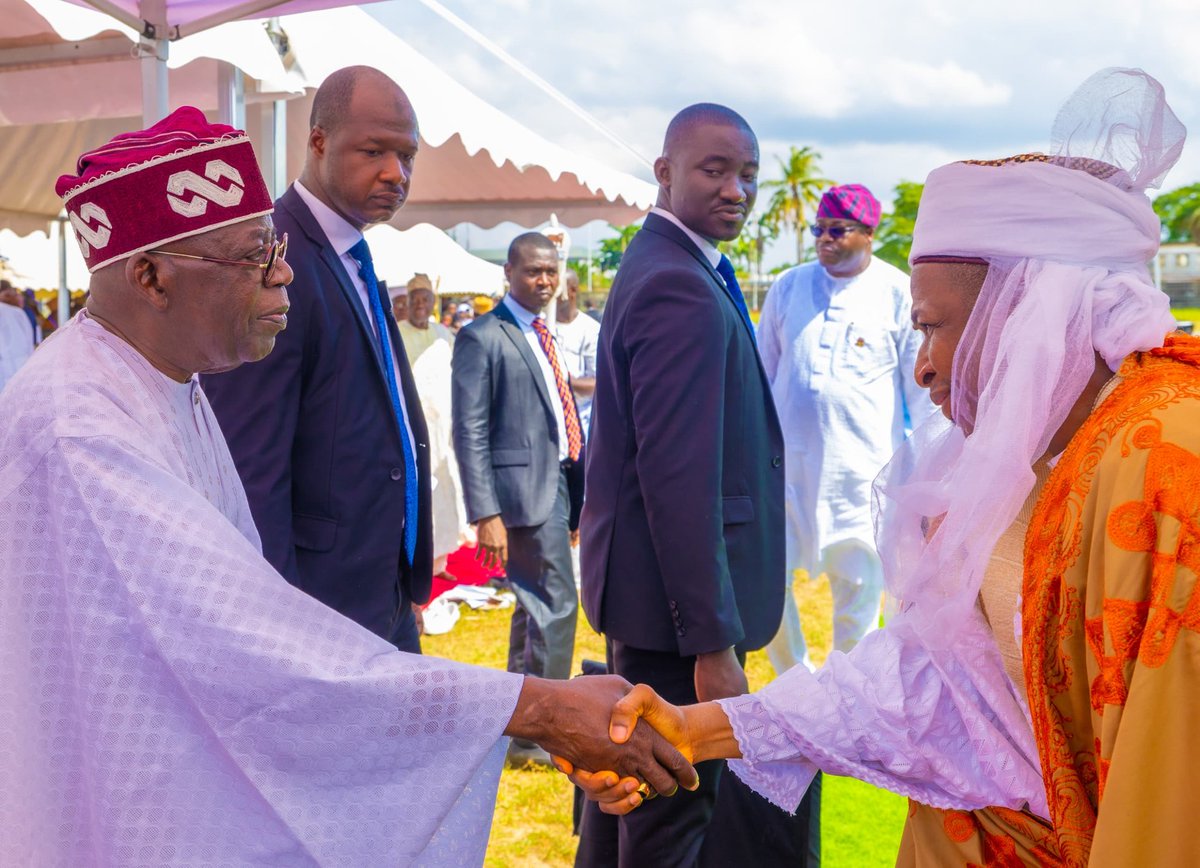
792, 203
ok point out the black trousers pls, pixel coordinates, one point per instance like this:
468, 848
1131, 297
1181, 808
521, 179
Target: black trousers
723, 823
404, 634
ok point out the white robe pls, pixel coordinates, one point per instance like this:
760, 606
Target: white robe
165, 696
16, 341
432, 374
839, 353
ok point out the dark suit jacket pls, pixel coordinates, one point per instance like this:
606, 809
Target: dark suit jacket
317, 445
683, 527
505, 435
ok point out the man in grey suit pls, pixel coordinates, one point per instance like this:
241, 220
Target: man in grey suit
519, 445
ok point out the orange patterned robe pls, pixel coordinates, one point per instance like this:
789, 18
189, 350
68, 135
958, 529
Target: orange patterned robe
1111, 636
1111, 615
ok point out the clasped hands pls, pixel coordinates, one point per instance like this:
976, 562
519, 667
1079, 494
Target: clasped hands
588, 725
617, 794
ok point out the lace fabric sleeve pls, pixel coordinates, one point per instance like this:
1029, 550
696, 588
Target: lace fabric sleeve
942, 727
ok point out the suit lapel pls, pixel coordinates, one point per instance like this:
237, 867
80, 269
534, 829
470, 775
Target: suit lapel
512, 330
295, 205
667, 229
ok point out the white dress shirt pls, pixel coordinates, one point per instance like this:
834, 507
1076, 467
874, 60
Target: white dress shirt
525, 320
706, 247
342, 236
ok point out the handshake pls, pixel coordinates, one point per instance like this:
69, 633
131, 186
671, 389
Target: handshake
589, 725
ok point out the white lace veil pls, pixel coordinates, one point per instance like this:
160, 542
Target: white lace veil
1067, 238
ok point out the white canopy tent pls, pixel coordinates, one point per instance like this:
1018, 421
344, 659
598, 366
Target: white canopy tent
429, 250
69, 81
476, 164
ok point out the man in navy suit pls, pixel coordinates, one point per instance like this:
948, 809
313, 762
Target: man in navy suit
683, 550
327, 431
519, 442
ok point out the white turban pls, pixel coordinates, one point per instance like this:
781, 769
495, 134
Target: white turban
1067, 239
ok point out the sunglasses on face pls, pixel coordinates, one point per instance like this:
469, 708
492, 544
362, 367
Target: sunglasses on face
275, 255
837, 233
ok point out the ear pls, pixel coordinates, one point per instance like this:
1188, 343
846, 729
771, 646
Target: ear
662, 172
150, 276
508, 272
317, 141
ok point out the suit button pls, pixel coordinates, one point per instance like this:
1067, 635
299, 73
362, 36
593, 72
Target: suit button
776, 461
397, 474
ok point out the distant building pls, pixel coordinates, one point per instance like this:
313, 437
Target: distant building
1179, 269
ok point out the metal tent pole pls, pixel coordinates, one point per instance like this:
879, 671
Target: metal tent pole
153, 48
231, 95
64, 291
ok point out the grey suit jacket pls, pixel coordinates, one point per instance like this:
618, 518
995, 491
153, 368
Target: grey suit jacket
505, 435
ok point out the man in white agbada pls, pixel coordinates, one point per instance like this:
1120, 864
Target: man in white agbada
429, 346
16, 339
166, 697
839, 349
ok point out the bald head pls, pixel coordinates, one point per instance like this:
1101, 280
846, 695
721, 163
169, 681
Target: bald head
362, 146
687, 122
332, 101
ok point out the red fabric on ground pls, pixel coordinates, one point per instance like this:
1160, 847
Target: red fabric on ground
463, 566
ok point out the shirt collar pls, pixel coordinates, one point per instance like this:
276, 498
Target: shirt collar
523, 315
706, 247
341, 234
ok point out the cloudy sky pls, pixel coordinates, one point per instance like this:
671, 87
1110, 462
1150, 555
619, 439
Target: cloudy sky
885, 90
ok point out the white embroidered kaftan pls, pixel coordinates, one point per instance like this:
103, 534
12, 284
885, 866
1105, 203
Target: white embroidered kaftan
839, 353
165, 696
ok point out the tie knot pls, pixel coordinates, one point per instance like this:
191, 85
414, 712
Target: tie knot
725, 267
361, 252
539, 325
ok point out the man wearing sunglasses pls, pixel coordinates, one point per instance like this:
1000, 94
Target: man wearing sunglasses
837, 344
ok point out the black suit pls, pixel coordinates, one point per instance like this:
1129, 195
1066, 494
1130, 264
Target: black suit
316, 442
683, 543
506, 441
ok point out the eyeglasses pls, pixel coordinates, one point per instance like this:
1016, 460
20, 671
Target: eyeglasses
835, 232
275, 255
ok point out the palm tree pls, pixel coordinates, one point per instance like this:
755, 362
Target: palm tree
893, 235
796, 193
612, 249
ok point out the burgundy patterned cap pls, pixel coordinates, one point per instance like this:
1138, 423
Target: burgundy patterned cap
181, 177
850, 202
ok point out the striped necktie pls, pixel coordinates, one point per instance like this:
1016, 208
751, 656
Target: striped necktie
366, 270
570, 412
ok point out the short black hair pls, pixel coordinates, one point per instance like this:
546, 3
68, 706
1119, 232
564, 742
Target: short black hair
529, 241
702, 113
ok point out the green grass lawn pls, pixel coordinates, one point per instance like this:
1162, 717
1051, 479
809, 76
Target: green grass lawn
860, 825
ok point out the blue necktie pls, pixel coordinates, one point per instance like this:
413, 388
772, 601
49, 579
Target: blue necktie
725, 269
366, 270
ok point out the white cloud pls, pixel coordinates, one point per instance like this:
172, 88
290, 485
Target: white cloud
884, 90
947, 85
